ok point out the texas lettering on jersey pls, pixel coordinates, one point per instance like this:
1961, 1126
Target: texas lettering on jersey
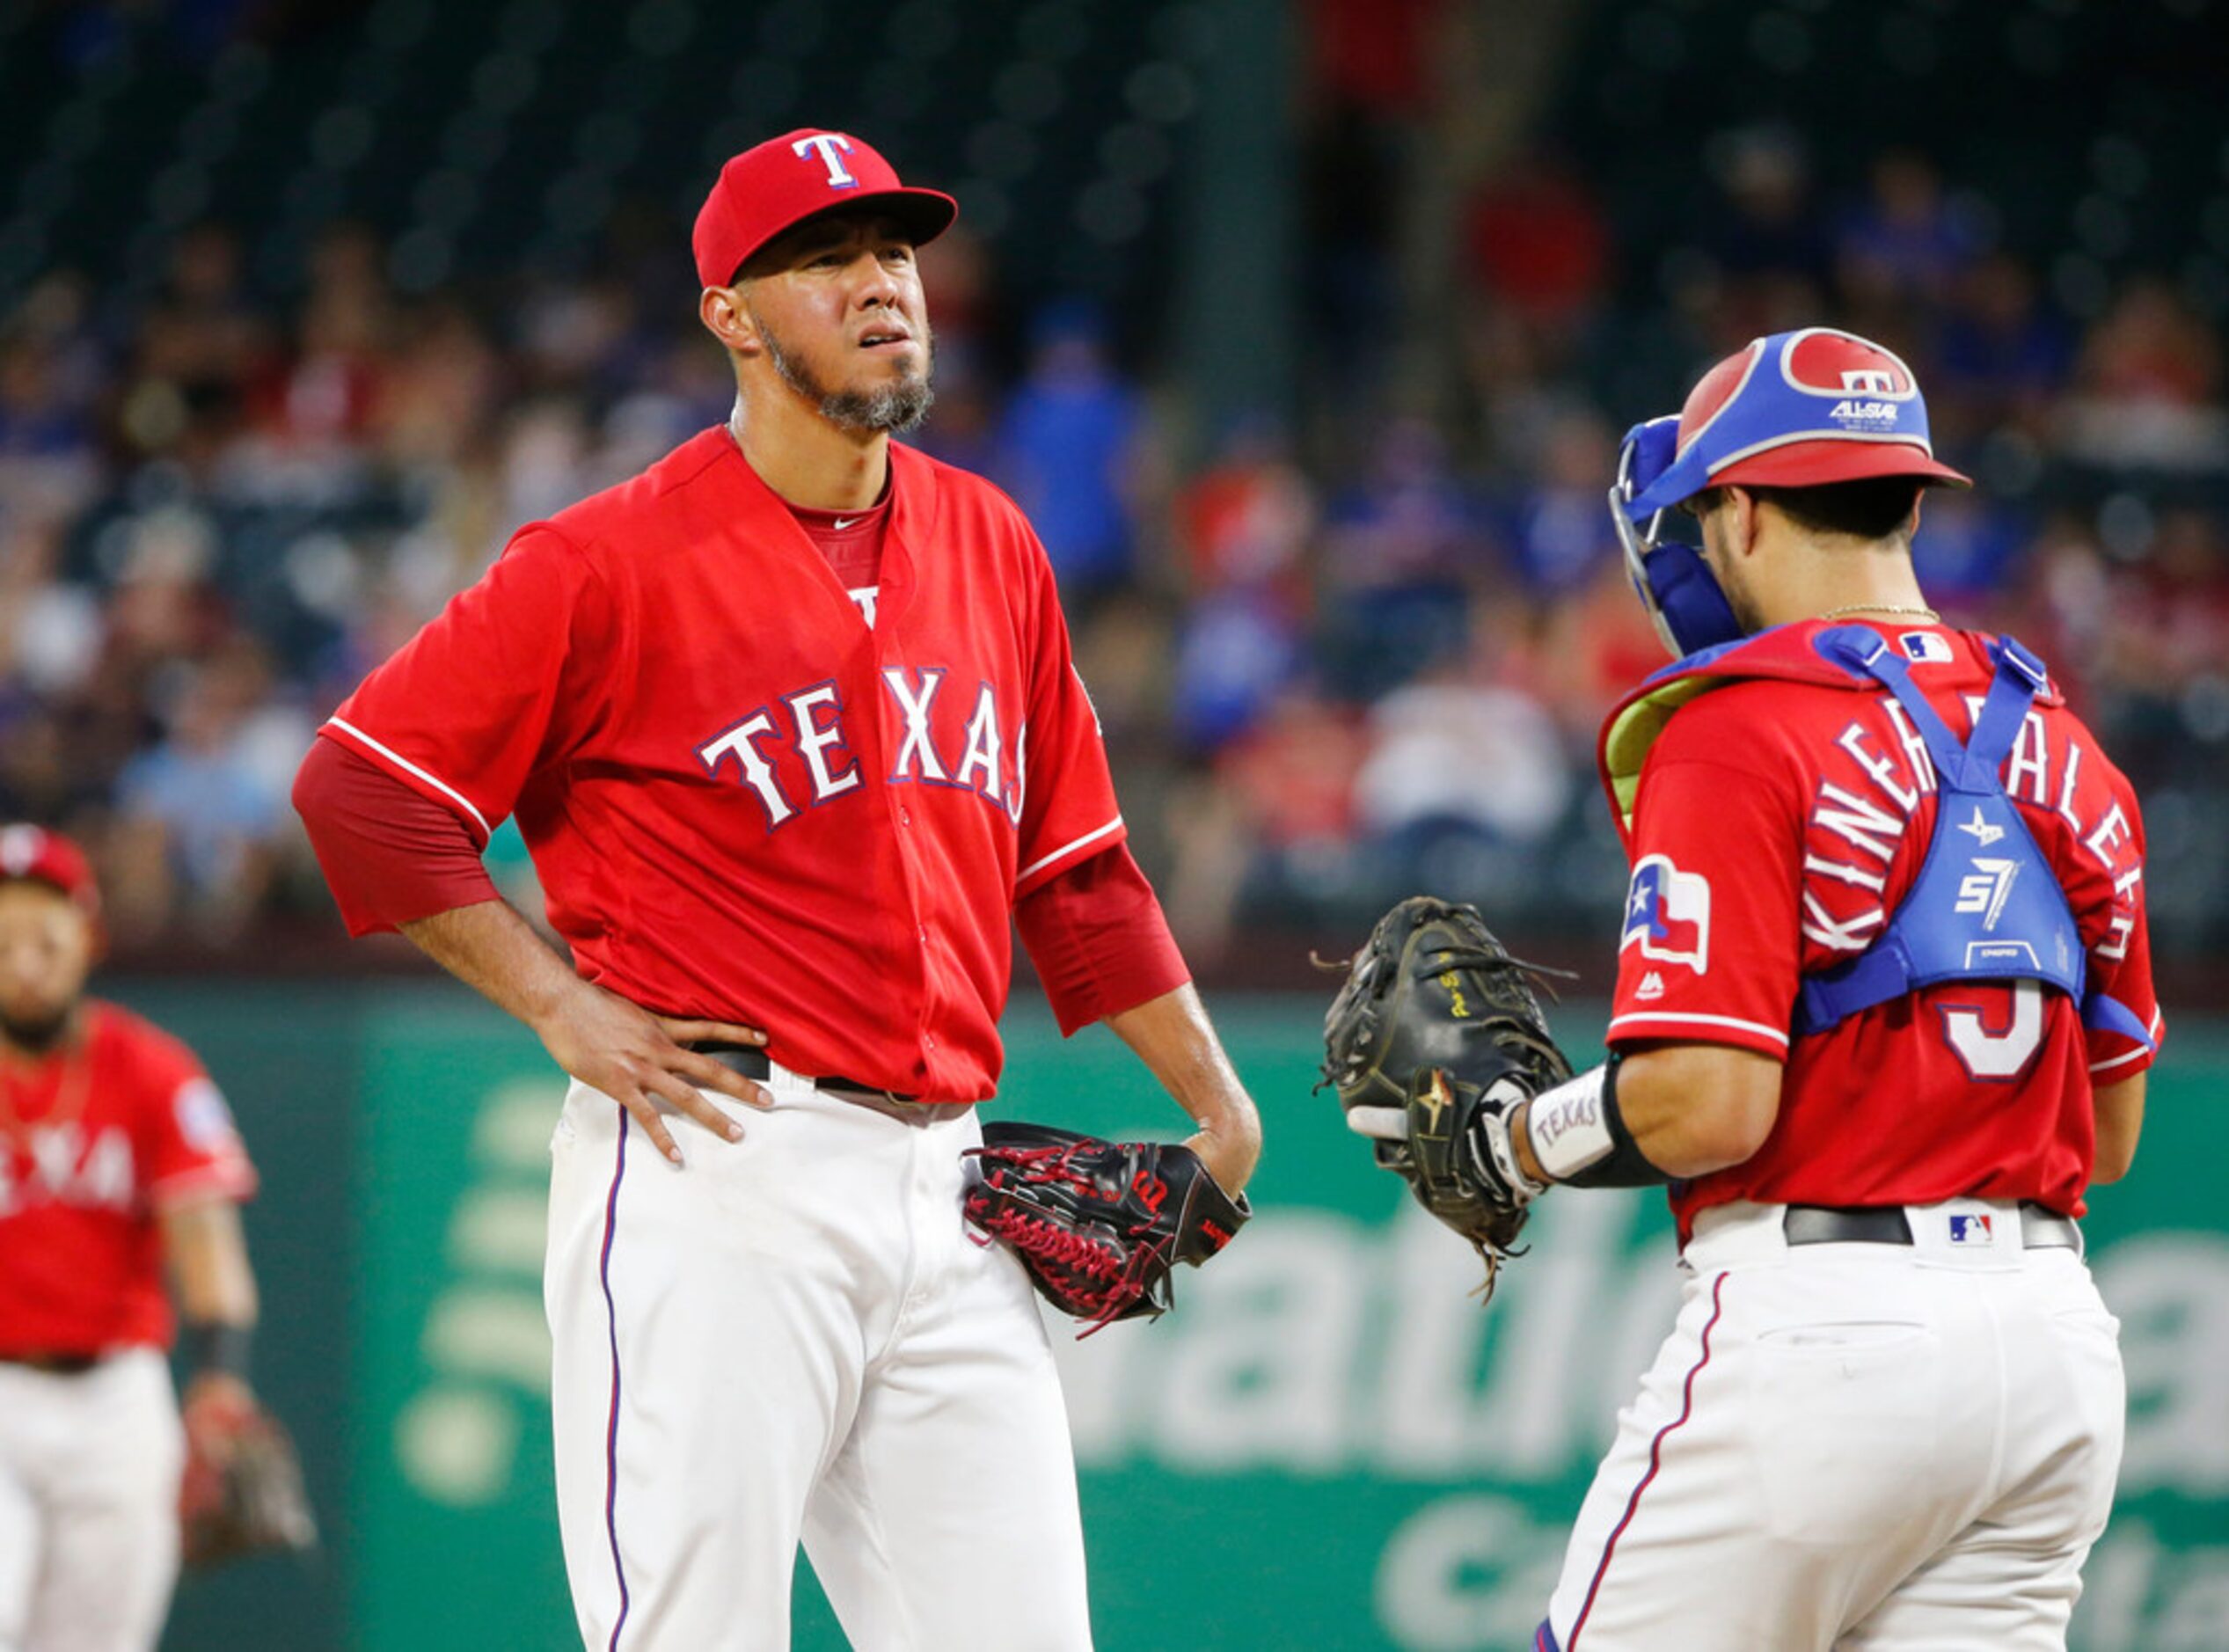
810, 729
63, 1164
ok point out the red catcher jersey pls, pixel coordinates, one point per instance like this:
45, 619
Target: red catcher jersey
94, 1140
745, 802
1776, 826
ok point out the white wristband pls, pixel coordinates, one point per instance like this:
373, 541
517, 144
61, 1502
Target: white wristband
1570, 1127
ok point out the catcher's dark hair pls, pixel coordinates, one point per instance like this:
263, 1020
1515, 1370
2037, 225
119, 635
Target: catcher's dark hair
1871, 507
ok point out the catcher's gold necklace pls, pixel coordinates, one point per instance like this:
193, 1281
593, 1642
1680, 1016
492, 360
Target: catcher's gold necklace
1881, 608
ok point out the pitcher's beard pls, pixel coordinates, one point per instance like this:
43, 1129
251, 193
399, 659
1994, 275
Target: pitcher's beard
894, 408
36, 1033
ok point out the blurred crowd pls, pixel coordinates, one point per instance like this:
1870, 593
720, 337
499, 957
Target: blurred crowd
1340, 652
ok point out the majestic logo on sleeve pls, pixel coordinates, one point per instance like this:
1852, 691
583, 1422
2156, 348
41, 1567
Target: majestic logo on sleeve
1667, 914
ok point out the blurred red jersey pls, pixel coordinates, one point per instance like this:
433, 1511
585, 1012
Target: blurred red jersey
95, 1140
1777, 823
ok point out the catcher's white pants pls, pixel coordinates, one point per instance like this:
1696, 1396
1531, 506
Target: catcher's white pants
796, 1337
88, 1472
1859, 1447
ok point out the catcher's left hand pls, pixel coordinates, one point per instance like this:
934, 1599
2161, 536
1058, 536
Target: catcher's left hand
1099, 1226
242, 1491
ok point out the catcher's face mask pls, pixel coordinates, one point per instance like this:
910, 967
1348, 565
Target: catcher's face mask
1674, 583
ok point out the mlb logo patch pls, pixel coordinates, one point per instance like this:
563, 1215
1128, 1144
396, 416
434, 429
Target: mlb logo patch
1925, 647
1667, 914
1973, 1230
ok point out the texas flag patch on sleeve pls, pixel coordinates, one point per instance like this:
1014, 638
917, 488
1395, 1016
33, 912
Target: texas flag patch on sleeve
1667, 914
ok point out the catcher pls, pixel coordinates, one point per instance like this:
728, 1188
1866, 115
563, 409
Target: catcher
1883, 1014
117, 1156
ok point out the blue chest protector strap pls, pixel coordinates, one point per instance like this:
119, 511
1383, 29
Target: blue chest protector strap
1987, 905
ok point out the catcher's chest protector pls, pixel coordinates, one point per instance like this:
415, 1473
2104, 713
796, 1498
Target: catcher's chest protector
1987, 905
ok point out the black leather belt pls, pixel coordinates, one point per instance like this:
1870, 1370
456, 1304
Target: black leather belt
750, 1061
54, 1364
1887, 1224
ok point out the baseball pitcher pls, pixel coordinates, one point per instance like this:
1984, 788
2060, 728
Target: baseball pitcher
790, 725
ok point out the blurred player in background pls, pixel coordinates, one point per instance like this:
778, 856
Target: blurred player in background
117, 1156
791, 725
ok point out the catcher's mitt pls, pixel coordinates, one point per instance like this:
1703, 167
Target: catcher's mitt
242, 1490
1099, 1226
1436, 1025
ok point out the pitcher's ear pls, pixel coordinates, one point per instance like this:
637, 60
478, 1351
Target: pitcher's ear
727, 319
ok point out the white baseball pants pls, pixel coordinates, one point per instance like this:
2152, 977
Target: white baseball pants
1859, 1447
795, 1337
89, 1471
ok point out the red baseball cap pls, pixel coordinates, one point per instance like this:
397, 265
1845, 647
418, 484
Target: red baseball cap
51, 859
800, 175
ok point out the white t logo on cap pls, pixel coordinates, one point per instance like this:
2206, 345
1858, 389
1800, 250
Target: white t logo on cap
19, 846
827, 144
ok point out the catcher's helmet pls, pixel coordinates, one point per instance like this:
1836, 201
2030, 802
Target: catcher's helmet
1793, 410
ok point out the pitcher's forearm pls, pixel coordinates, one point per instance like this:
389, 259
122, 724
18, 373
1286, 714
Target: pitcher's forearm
492, 949
1173, 1037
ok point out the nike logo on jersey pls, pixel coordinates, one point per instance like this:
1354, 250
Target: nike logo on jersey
810, 729
841, 522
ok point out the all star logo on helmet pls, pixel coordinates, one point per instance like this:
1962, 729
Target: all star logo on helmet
1852, 414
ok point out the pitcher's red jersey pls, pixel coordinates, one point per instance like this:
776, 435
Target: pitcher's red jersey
94, 1140
745, 802
1777, 824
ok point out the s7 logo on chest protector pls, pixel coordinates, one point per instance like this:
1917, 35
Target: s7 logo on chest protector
1667, 914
